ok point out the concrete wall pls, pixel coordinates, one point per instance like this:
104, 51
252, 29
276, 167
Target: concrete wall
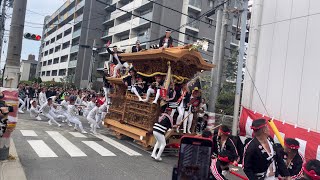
287, 70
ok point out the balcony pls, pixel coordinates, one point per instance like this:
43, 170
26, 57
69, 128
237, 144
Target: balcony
78, 19
105, 34
74, 49
125, 26
72, 63
80, 5
76, 33
193, 25
195, 5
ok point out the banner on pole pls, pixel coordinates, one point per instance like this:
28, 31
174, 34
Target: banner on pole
309, 140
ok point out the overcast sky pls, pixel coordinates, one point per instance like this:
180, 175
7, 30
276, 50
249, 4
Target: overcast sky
33, 24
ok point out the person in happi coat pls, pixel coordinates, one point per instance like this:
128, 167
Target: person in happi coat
223, 142
261, 159
293, 159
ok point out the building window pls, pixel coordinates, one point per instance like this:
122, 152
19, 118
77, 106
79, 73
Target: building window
62, 72
46, 53
145, 12
43, 73
51, 51
48, 73
59, 36
44, 63
65, 45
54, 73
55, 60
122, 38
47, 43
67, 32
57, 48
64, 59
49, 62
41, 54
53, 40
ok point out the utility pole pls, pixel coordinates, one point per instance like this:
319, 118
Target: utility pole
12, 71
2, 24
240, 66
93, 59
214, 71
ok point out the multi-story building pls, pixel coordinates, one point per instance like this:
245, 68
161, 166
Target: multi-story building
28, 68
68, 38
124, 29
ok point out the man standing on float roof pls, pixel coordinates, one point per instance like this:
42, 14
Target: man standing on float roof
261, 161
116, 59
166, 40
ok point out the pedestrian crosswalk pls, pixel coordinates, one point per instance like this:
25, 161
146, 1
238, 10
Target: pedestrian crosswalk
74, 144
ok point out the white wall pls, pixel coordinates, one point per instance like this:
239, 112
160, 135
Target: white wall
25, 71
287, 74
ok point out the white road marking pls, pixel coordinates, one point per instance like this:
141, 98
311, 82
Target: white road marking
41, 148
28, 133
117, 145
77, 134
70, 148
98, 148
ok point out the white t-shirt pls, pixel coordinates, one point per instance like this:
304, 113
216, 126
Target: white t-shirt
72, 110
93, 113
34, 111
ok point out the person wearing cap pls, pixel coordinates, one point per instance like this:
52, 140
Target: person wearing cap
165, 122
166, 40
260, 160
116, 59
223, 142
93, 116
221, 164
73, 112
46, 110
293, 159
35, 110
311, 170
192, 102
137, 47
155, 88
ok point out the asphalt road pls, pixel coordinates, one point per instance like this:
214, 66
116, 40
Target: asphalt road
87, 165
61, 153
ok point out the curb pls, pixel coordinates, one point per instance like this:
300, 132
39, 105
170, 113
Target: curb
12, 169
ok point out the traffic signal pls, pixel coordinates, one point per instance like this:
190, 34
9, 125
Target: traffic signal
31, 36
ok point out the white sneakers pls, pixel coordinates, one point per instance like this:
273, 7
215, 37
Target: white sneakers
84, 132
155, 158
38, 118
20, 111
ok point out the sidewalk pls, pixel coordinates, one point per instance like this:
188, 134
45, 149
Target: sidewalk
12, 169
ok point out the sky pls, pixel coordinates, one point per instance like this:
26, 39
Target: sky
36, 11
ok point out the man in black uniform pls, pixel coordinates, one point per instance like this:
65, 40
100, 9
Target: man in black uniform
116, 59
160, 128
166, 40
311, 170
223, 142
293, 158
261, 161
137, 47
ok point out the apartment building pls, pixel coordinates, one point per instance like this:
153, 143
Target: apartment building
28, 68
124, 29
68, 37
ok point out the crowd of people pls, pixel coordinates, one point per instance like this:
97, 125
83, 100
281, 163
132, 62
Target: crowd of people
60, 105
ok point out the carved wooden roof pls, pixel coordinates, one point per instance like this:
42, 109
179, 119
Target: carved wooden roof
183, 62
